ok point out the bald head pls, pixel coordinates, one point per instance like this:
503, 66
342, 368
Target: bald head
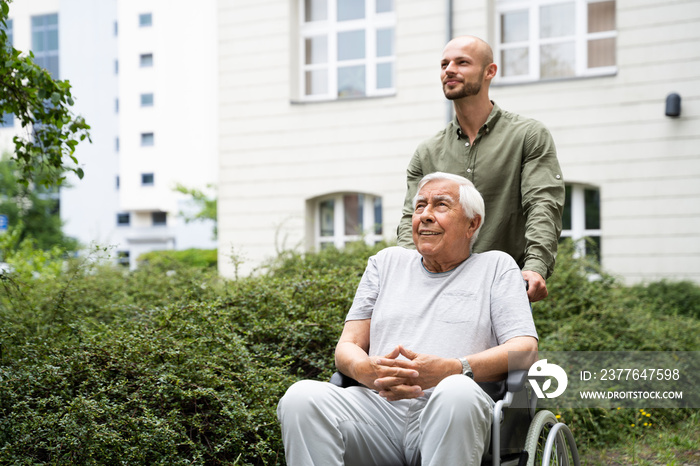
478, 48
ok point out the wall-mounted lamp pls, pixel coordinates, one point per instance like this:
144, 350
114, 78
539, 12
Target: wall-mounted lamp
673, 105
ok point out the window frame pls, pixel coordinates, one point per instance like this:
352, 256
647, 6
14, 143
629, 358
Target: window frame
145, 101
578, 231
158, 222
123, 219
580, 37
148, 139
44, 57
145, 16
330, 27
146, 60
369, 235
148, 179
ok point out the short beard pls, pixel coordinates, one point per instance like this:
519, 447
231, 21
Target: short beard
468, 89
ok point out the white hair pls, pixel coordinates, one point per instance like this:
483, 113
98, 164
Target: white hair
469, 198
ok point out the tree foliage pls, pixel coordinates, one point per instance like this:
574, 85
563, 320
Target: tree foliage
32, 210
207, 206
50, 131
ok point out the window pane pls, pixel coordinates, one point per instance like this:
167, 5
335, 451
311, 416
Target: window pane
601, 52
385, 42
514, 26
601, 16
351, 45
315, 10
316, 82
385, 76
123, 219
351, 81
593, 245
7, 120
145, 19
378, 216
566, 216
557, 20
384, 6
592, 201
159, 218
38, 44
52, 39
147, 139
557, 60
353, 204
147, 179
351, 9
326, 209
316, 50
146, 100
515, 62
146, 60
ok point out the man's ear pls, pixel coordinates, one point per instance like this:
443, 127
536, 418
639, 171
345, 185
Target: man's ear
474, 225
490, 71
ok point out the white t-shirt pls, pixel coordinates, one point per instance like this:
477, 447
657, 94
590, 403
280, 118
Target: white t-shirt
480, 304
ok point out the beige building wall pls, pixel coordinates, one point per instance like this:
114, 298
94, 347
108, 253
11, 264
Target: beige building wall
612, 133
276, 153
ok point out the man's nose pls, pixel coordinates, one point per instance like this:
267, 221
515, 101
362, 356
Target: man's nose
450, 68
427, 215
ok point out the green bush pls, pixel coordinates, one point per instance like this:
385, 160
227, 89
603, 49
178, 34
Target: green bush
171, 259
169, 364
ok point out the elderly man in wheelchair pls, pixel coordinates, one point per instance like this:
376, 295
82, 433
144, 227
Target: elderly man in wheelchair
426, 327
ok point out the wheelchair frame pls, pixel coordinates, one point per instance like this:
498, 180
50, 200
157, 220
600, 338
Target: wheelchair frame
519, 400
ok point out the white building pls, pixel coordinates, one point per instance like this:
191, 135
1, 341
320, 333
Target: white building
322, 103
146, 84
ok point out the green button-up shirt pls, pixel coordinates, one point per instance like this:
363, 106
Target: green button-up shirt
513, 163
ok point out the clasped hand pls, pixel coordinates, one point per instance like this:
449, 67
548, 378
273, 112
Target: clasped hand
398, 379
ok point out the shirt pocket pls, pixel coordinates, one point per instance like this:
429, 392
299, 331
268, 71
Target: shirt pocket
456, 307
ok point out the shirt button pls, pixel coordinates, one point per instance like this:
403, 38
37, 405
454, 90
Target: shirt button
466, 144
558, 176
469, 170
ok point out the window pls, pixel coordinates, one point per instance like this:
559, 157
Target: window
147, 100
346, 218
123, 219
116, 185
159, 219
116, 144
123, 258
7, 120
346, 48
581, 218
552, 39
147, 179
116, 105
116, 66
146, 60
147, 139
145, 20
116, 29
45, 42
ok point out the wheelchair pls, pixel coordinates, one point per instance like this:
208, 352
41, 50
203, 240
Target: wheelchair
520, 435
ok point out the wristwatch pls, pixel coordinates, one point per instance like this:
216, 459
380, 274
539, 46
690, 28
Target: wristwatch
466, 368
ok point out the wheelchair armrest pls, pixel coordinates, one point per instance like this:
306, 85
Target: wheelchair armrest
343, 381
516, 380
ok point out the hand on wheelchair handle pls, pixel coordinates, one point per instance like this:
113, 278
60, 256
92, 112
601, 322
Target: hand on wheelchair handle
535, 286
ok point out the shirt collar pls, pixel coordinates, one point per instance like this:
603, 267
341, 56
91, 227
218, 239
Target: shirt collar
491, 121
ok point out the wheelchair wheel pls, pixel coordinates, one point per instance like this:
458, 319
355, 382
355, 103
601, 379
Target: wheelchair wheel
540, 428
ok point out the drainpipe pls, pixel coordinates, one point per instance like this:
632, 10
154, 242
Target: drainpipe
449, 32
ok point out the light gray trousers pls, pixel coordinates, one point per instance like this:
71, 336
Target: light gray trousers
326, 425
